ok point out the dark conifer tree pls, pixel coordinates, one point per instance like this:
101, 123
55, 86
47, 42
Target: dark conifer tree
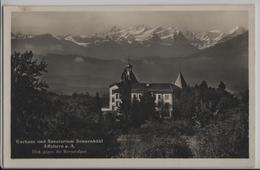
222, 86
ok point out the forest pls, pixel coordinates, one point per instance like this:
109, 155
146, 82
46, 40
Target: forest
208, 122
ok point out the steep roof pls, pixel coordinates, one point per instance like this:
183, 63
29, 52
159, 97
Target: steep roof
154, 87
151, 87
180, 82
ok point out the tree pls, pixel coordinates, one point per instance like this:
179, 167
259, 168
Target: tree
143, 110
99, 112
26, 72
202, 104
165, 110
28, 96
125, 105
148, 106
185, 104
203, 84
222, 86
136, 117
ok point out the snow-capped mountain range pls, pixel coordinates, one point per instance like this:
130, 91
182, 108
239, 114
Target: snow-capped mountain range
147, 36
155, 52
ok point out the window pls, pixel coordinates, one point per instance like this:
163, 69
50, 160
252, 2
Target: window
139, 97
166, 96
117, 96
166, 110
159, 96
134, 96
113, 99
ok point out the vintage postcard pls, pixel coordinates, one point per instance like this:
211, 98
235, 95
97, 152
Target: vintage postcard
129, 86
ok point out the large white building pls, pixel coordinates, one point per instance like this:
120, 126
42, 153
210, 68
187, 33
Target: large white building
164, 93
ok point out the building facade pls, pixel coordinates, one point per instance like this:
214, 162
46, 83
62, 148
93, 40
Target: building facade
163, 93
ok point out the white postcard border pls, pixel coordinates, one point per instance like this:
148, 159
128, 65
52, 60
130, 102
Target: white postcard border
123, 163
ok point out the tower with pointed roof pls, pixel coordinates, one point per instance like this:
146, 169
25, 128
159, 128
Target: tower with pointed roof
180, 82
128, 76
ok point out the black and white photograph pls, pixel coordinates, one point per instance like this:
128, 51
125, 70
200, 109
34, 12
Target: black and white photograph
130, 84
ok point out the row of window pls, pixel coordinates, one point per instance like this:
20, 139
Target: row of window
159, 96
159, 104
137, 96
166, 96
164, 104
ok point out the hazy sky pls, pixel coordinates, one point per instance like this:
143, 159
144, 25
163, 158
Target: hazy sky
85, 23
